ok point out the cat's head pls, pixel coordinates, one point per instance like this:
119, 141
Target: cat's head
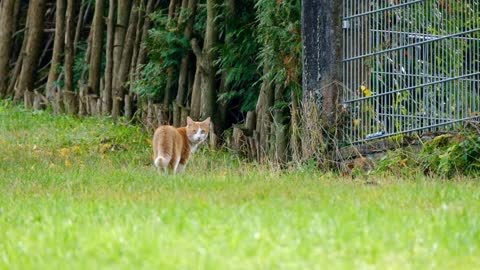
197, 132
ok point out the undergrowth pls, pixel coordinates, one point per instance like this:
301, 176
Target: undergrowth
444, 156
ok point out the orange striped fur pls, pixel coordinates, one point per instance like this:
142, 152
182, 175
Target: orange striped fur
172, 146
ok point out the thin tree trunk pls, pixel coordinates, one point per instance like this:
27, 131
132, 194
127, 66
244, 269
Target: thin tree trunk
185, 63
171, 8
96, 48
7, 10
79, 27
196, 93
122, 75
142, 54
208, 80
137, 44
295, 140
58, 47
173, 19
129, 104
69, 45
32, 50
107, 94
18, 67
281, 128
264, 118
123, 13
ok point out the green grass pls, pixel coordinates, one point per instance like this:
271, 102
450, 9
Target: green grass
82, 194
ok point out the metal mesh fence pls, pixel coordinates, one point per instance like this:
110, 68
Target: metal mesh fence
409, 66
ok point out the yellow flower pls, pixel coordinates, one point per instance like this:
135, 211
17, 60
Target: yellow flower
367, 92
356, 122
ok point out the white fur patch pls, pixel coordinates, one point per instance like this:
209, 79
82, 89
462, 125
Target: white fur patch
161, 160
199, 137
193, 148
157, 161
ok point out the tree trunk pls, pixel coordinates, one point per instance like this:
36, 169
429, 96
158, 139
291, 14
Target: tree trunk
79, 27
295, 139
196, 102
126, 57
107, 93
7, 10
18, 67
32, 50
129, 104
208, 80
142, 54
123, 13
96, 49
281, 128
69, 49
173, 25
58, 47
171, 8
264, 117
185, 63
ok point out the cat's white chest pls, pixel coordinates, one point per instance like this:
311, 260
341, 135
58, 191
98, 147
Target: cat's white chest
193, 148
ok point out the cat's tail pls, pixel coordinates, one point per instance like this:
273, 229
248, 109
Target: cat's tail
161, 161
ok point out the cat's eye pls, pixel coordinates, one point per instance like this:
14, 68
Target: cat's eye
202, 132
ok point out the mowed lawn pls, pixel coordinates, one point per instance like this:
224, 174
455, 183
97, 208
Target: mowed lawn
82, 194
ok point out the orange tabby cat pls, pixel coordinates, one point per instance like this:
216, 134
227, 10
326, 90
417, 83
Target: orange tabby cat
172, 146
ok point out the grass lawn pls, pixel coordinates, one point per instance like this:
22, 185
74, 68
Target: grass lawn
82, 194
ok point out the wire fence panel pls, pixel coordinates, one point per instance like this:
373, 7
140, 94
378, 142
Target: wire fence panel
411, 65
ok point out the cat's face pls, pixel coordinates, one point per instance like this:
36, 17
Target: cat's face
197, 132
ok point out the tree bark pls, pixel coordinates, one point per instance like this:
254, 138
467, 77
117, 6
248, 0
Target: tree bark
107, 93
7, 13
58, 47
69, 45
129, 103
7, 10
123, 13
18, 66
142, 54
264, 117
171, 8
79, 26
208, 80
126, 57
32, 50
195, 104
185, 63
281, 128
96, 49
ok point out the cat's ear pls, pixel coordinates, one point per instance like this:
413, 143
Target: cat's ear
189, 121
207, 121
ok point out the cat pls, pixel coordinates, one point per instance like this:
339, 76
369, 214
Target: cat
172, 146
